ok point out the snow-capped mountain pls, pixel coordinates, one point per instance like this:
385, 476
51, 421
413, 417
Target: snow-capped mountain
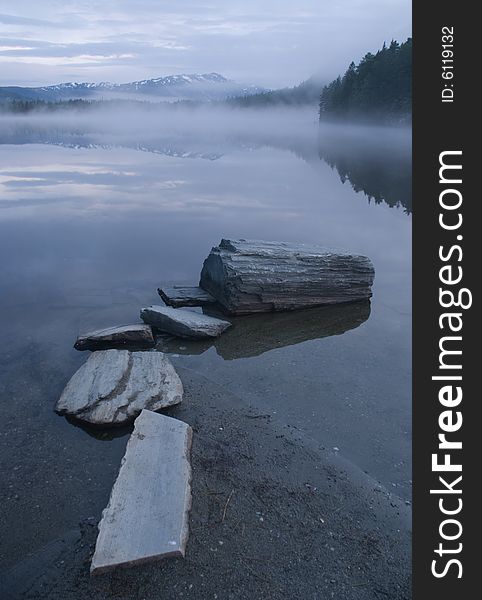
206, 86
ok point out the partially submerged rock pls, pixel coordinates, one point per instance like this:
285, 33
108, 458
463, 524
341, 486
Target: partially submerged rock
139, 335
113, 386
183, 323
183, 295
256, 334
147, 515
247, 276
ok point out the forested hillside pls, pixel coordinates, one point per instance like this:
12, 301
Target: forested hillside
306, 93
379, 88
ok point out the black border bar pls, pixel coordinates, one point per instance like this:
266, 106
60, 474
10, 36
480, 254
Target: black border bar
446, 119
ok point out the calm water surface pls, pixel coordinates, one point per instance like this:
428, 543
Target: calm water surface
92, 222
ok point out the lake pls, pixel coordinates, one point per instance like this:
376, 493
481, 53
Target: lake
97, 211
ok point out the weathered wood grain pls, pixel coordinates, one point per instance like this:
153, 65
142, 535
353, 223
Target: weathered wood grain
247, 276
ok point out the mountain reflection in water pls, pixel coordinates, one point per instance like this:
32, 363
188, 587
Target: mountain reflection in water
375, 160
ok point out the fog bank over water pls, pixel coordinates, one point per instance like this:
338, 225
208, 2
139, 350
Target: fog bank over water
375, 159
158, 120
117, 122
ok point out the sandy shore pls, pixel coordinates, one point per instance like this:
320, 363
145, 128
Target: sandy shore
272, 517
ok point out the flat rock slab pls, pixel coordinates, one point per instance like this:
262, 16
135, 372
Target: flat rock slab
182, 295
183, 323
112, 337
249, 276
147, 515
113, 386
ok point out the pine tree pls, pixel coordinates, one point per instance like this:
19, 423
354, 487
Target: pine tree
378, 88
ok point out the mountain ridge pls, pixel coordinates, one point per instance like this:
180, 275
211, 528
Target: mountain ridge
192, 86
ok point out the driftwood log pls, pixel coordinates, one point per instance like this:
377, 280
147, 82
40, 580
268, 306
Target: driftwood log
247, 276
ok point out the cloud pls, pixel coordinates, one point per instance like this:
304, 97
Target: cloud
19, 20
28, 48
273, 43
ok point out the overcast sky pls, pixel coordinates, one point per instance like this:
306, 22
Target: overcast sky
268, 42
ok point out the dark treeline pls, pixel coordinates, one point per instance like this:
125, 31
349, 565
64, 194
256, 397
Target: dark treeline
306, 93
26, 106
379, 88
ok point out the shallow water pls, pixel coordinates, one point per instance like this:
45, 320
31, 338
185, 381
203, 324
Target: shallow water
92, 222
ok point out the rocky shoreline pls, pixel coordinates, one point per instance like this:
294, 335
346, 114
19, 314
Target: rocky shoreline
273, 517
119, 383
115, 385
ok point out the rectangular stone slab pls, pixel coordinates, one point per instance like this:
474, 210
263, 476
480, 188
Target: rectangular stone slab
184, 295
250, 276
147, 515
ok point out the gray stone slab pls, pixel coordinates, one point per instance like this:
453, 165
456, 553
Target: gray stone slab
113, 386
183, 295
113, 337
183, 323
249, 276
147, 515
